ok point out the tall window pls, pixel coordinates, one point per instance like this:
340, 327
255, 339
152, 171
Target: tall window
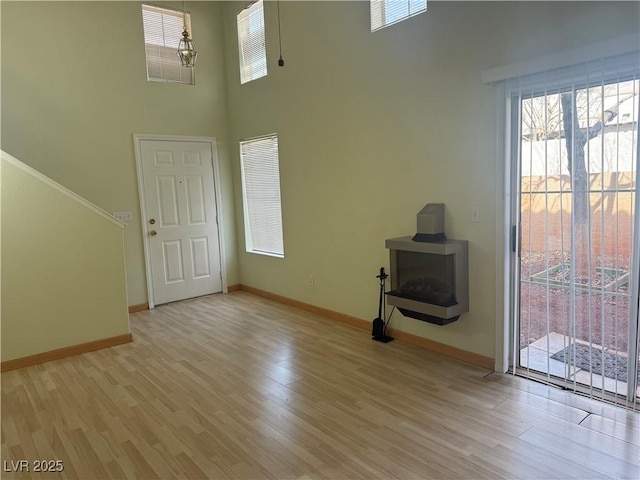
388, 12
162, 34
261, 195
251, 44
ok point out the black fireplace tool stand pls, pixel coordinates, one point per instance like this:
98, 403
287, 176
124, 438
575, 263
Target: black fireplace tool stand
379, 330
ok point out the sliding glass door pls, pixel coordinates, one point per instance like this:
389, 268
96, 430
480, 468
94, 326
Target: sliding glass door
575, 145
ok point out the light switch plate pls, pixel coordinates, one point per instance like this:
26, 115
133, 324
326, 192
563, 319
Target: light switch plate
475, 214
124, 216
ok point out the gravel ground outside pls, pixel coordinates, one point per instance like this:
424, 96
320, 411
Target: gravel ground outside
601, 317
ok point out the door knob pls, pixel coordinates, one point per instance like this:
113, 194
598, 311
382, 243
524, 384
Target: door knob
153, 233
152, 221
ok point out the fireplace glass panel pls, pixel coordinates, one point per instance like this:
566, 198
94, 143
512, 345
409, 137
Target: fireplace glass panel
426, 277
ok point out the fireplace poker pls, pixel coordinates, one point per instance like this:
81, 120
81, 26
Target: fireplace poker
379, 329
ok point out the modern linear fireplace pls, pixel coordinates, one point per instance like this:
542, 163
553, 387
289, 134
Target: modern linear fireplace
429, 273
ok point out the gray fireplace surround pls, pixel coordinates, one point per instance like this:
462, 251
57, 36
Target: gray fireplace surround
429, 273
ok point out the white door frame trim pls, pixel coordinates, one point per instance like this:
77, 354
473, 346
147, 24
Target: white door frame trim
137, 139
503, 231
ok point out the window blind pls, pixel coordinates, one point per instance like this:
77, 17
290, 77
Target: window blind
261, 195
162, 34
574, 153
388, 12
251, 43
608, 69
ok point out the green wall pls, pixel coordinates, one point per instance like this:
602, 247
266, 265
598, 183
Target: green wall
63, 272
372, 126
74, 91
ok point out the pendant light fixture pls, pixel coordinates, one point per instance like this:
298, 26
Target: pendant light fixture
186, 50
280, 60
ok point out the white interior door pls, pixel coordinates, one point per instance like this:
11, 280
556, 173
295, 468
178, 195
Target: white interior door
180, 219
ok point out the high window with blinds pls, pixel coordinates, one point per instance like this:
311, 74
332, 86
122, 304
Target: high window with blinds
162, 33
251, 43
261, 195
388, 12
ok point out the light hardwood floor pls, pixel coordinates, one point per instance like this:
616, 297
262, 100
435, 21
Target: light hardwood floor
237, 386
